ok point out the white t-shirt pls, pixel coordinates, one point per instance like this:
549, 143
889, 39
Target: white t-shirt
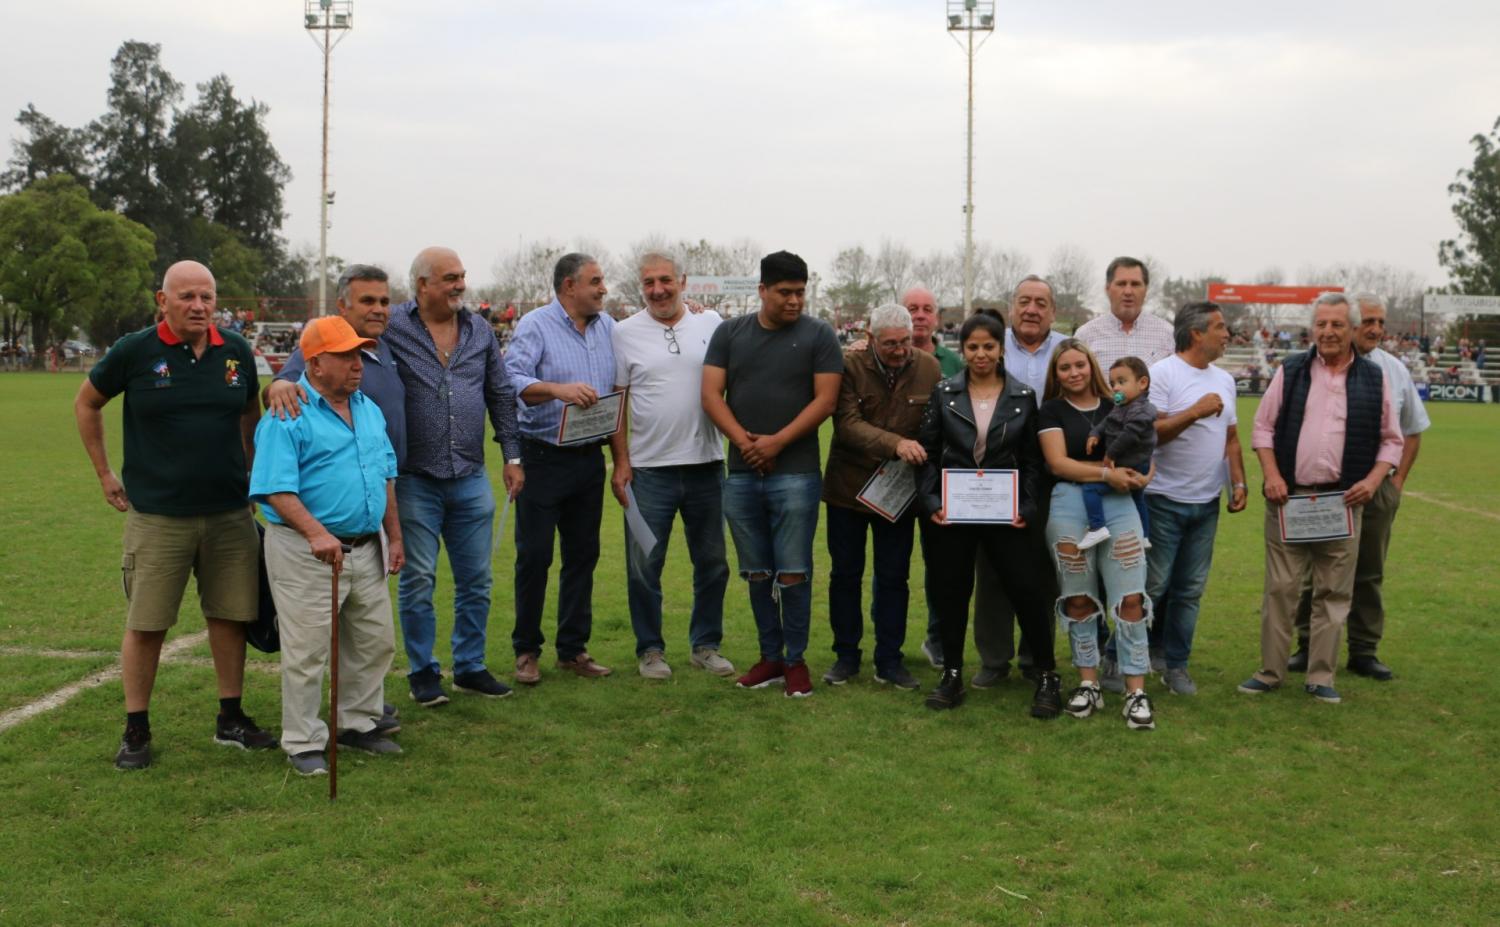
1191, 467
668, 426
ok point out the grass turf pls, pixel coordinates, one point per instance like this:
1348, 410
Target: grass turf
623, 801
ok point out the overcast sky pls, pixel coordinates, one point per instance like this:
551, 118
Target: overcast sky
1221, 137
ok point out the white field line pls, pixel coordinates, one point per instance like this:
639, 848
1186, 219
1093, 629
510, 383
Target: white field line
57, 654
61, 696
1467, 510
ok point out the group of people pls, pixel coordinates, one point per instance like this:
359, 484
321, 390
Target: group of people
1121, 440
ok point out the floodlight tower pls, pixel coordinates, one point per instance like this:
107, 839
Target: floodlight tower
969, 17
327, 22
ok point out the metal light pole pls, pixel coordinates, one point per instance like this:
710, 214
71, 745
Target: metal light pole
969, 17
327, 22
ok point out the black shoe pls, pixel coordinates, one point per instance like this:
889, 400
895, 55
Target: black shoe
898, 676
1298, 661
1031, 673
841, 672
242, 732
949, 692
1369, 665
480, 682
135, 750
1047, 702
369, 742
387, 725
427, 688
389, 710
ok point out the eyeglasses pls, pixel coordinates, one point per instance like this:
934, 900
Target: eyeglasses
672, 346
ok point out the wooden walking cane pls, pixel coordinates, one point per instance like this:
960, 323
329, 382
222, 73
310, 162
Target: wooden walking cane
333, 688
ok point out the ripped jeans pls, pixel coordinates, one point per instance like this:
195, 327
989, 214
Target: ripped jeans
772, 520
1120, 563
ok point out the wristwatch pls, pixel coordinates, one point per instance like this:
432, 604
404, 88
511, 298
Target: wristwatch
512, 461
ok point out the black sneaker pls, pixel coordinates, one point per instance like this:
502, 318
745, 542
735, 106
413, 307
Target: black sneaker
242, 732
309, 763
1297, 662
840, 673
427, 688
480, 682
389, 710
898, 676
135, 750
369, 742
1047, 702
387, 725
949, 692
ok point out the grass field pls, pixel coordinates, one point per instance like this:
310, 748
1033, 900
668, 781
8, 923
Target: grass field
621, 801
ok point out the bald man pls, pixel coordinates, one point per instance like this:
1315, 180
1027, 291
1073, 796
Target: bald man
190, 410
451, 368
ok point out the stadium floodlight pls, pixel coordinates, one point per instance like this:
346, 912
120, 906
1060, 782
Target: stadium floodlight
327, 21
969, 17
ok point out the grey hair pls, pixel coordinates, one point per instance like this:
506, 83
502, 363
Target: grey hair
889, 315
359, 272
656, 257
568, 267
1192, 317
421, 266
1366, 298
1034, 278
1338, 299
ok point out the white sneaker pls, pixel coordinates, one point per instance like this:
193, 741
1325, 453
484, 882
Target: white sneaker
1093, 537
707, 658
1137, 712
1085, 700
654, 665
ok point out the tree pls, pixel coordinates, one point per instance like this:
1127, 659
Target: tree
64, 262
51, 148
942, 272
1071, 271
524, 276
997, 271
855, 288
893, 266
1473, 259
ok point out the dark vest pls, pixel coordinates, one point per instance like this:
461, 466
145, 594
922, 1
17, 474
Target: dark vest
1365, 392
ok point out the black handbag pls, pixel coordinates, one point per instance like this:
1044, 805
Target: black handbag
263, 633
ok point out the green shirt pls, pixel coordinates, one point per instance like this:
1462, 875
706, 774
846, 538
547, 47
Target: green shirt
183, 450
947, 358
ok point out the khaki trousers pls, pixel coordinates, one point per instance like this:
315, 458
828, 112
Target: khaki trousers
1367, 614
302, 587
1331, 565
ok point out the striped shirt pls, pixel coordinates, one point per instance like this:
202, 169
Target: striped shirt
1150, 339
445, 406
548, 348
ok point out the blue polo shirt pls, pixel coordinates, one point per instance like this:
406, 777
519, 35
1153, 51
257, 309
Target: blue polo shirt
339, 473
382, 383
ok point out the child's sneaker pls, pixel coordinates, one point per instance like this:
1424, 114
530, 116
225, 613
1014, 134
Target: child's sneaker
1093, 538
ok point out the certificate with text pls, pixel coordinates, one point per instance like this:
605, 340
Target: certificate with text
1324, 517
599, 420
981, 497
890, 489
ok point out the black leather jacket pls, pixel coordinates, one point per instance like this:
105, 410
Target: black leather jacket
948, 434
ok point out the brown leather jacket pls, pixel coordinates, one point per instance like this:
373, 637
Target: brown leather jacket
871, 417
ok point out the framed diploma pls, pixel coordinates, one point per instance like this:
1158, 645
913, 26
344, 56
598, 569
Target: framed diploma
890, 489
981, 497
1324, 517
599, 420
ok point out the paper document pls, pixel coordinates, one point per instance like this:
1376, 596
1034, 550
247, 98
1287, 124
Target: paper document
500, 524
890, 489
985, 497
1305, 519
640, 532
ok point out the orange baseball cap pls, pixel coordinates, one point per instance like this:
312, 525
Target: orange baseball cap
331, 334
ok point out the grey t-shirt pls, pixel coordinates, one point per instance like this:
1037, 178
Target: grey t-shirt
769, 375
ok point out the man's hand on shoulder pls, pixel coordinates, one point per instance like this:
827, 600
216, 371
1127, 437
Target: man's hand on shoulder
284, 398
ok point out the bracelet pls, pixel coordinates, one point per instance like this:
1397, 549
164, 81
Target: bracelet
1104, 474
1239, 486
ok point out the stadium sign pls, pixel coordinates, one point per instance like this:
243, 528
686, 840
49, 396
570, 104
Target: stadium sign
1238, 293
701, 286
1455, 392
1461, 305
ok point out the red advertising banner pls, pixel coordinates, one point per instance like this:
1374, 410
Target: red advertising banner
1261, 293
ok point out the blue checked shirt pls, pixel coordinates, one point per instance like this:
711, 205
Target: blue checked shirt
338, 472
445, 406
547, 348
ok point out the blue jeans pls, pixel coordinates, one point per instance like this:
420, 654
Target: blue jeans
1093, 504
845, 534
773, 519
1177, 565
1120, 564
563, 501
660, 493
457, 513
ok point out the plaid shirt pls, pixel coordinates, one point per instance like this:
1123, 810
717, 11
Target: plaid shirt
1150, 339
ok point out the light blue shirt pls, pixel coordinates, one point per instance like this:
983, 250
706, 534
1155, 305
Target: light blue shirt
548, 348
1030, 367
339, 473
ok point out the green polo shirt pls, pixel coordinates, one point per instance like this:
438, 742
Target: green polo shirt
948, 359
183, 452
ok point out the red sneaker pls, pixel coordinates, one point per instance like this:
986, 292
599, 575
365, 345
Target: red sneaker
798, 683
764, 674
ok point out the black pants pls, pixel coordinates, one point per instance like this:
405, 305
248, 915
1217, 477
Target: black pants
1023, 568
564, 494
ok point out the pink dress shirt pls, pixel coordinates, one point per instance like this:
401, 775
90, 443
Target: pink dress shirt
1320, 446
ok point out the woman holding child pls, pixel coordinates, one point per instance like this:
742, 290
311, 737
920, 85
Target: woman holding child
1078, 402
